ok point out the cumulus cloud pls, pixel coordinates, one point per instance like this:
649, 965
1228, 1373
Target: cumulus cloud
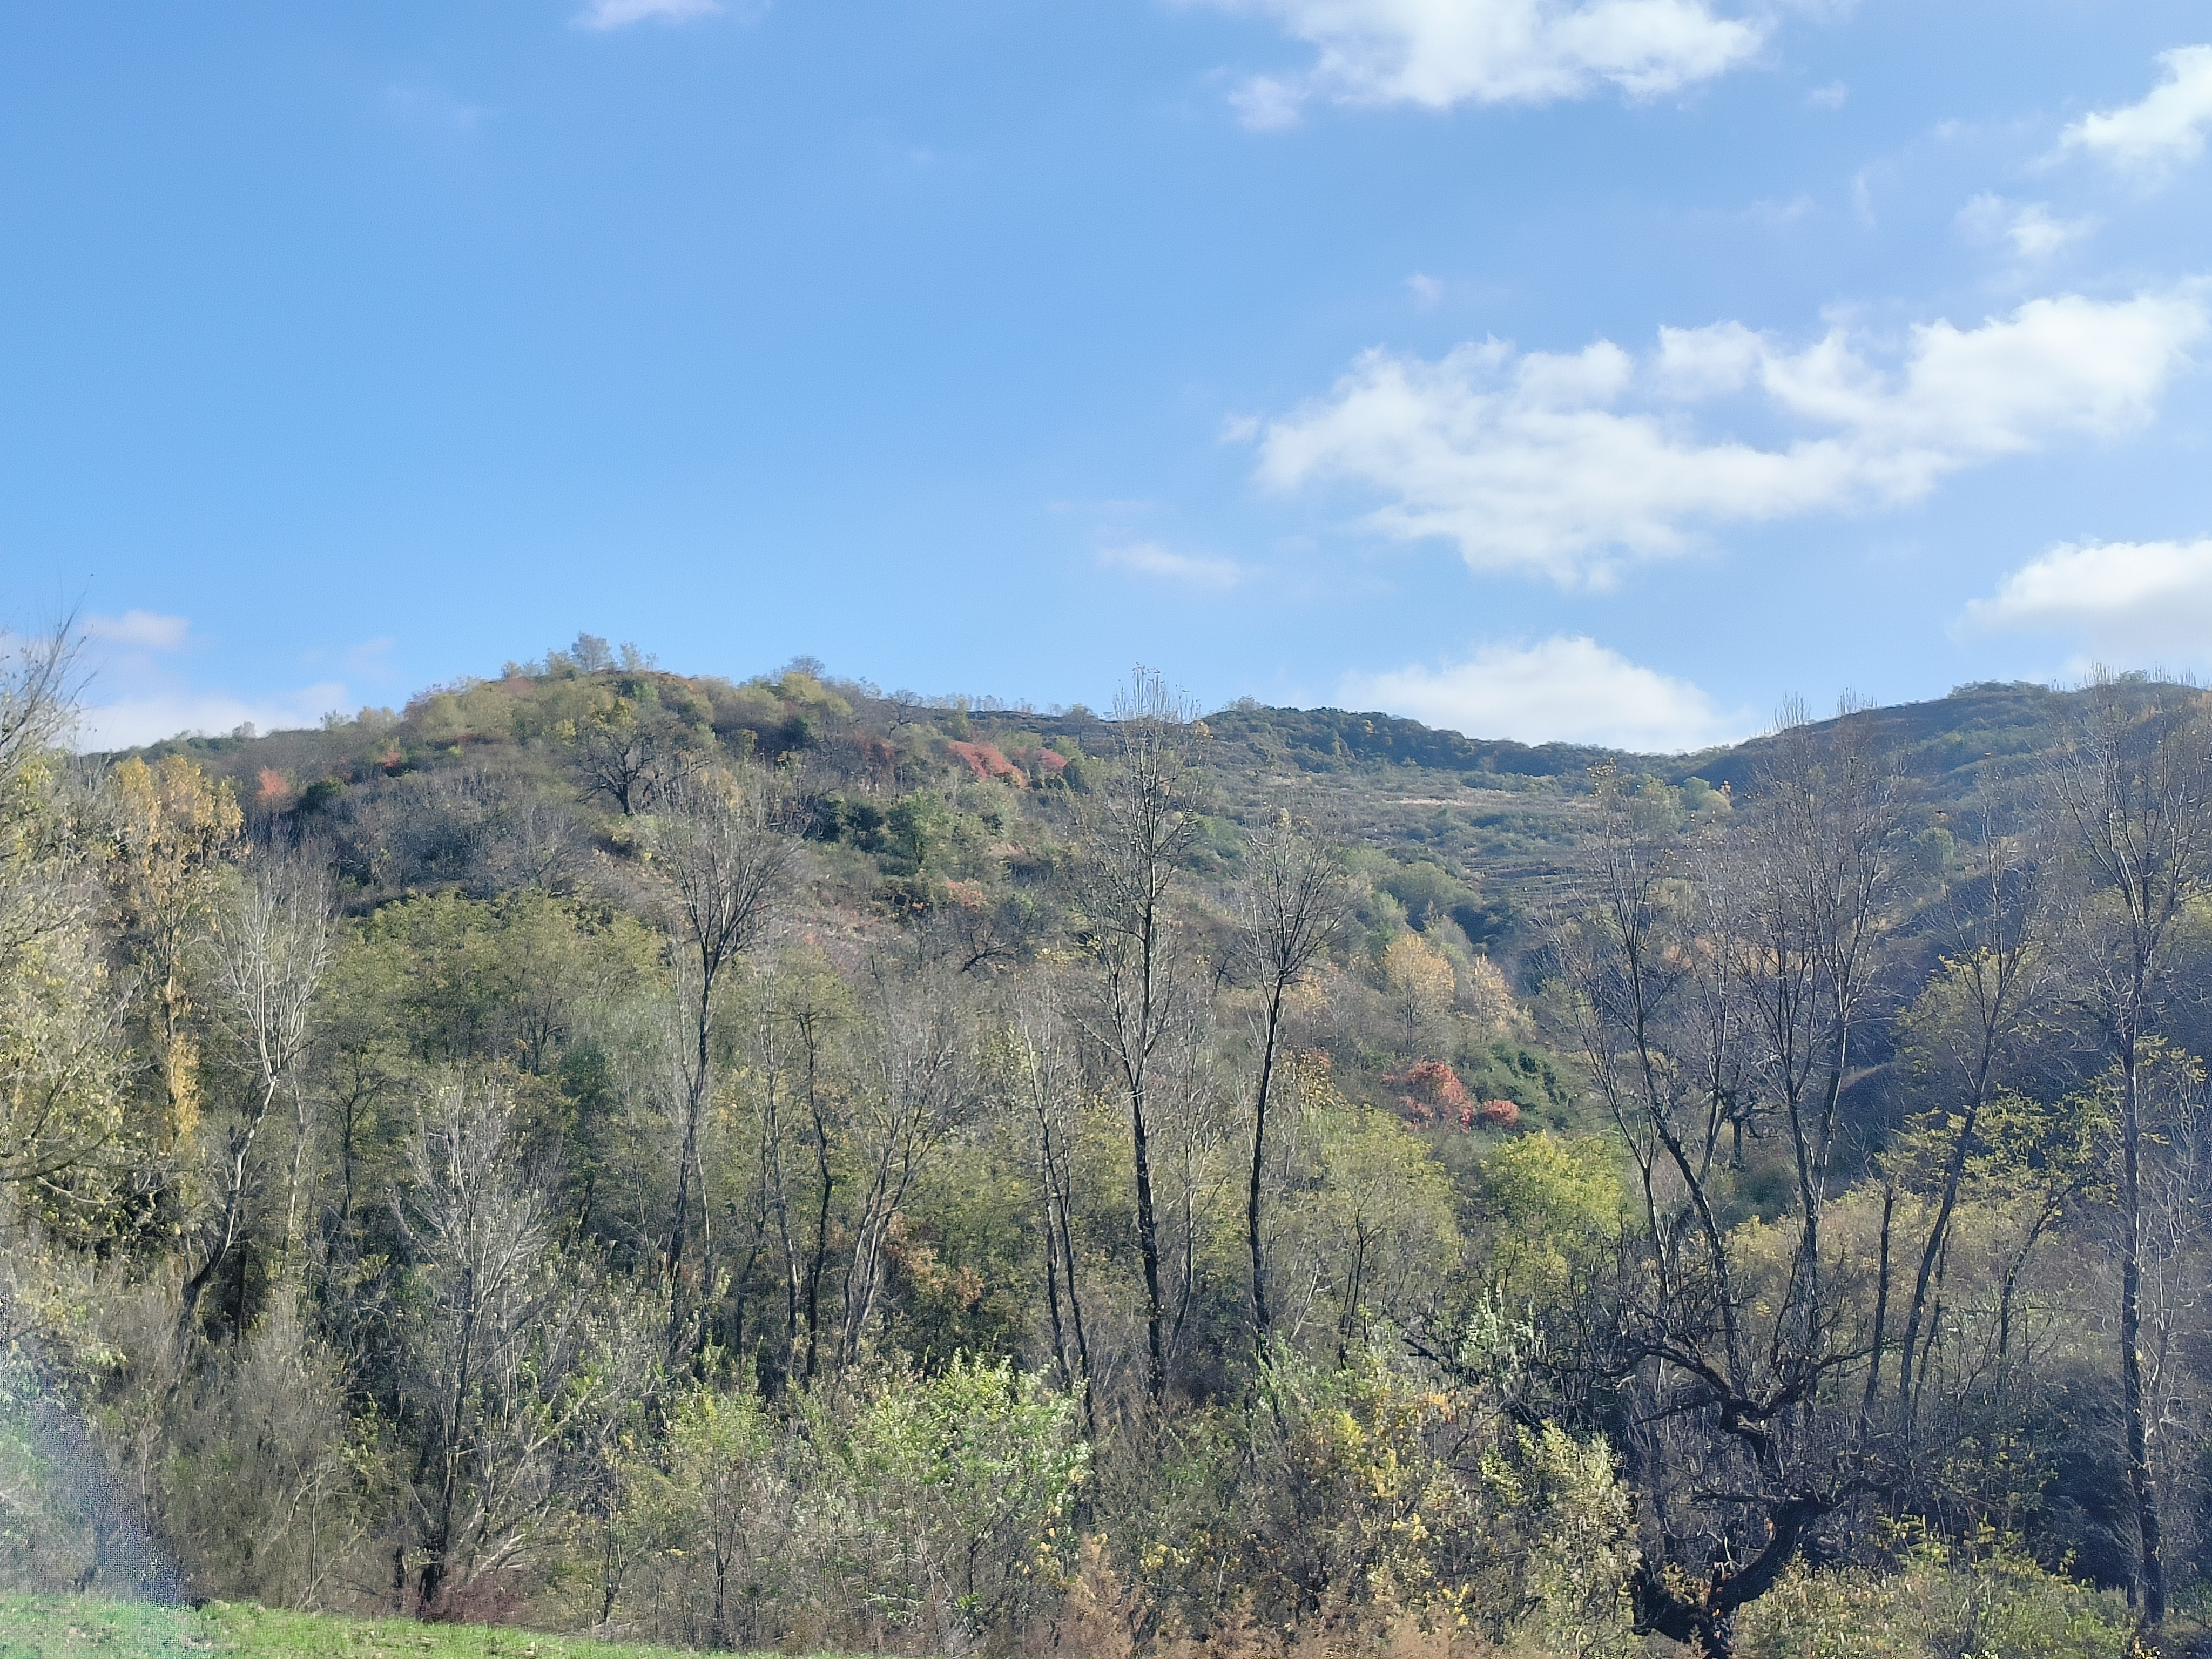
2165, 131
1564, 463
604, 14
1567, 688
2030, 227
2135, 602
1437, 53
143, 630
1194, 570
130, 721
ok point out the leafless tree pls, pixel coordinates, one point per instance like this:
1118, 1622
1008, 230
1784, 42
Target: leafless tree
1144, 824
272, 946
918, 1089
639, 755
1970, 1026
1722, 1365
516, 1353
2131, 783
1806, 881
1295, 901
726, 863
1043, 1087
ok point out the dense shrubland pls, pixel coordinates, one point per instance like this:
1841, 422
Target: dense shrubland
776, 1165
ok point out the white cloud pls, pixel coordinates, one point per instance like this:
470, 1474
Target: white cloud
604, 14
1437, 53
1863, 198
1426, 289
146, 630
1194, 570
2134, 602
1834, 96
1781, 213
2034, 233
2165, 131
1567, 688
1562, 463
130, 721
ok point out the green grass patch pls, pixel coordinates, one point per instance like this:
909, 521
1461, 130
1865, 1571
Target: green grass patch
81, 1627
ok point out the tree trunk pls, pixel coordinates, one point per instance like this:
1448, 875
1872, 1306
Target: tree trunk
1259, 1165
2150, 1573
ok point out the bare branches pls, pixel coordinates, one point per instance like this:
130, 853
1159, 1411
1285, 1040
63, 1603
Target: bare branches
1295, 901
1143, 827
271, 948
2132, 780
37, 699
726, 864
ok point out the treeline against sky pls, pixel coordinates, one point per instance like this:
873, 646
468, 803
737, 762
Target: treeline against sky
777, 1165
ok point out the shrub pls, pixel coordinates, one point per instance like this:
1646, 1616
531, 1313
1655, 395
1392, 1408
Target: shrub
1990, 1601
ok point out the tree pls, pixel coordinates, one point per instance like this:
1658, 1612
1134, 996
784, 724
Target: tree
726, 864
916, 1089
1968, 1026
61, 1059
272, 945
1723, 1339
174, 826
637, 753
515, 1355
2131, 784
1145, 824
1294, 903
1039, 1082
36, 702
1808, 872
1418, 980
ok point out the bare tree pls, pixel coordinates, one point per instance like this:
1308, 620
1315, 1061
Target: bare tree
726, 864
2131, 783
639, 755
1805, 882
515, 1356
1294, 903
1969, 1024
1724, 1354
1042, 1085
1144, 825
272, 946
918, 1090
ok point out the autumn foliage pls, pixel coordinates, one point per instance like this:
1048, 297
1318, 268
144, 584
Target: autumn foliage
986, 761
1432, 1097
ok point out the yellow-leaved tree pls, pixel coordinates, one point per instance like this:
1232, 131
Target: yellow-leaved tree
173, 828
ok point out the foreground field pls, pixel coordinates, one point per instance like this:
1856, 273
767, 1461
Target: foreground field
69, 1627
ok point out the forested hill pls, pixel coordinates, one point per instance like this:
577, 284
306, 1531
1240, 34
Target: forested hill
1497, 822
774, 1164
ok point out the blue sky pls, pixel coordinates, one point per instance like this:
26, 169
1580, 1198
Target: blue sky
1605, 369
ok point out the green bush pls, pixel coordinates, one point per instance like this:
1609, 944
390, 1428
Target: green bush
1988, 1602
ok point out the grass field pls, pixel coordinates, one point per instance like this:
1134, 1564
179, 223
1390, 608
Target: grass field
76, 1627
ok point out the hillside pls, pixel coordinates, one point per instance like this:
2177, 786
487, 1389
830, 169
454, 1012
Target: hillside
771, 1164
1498, 823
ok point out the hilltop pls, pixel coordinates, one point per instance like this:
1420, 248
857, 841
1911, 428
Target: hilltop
1496, 823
